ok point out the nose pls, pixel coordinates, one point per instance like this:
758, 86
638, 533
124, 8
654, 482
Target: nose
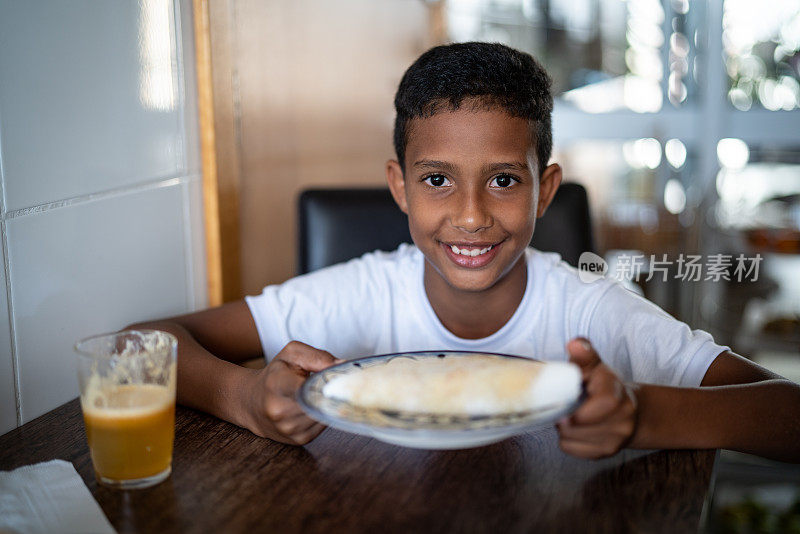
471, 212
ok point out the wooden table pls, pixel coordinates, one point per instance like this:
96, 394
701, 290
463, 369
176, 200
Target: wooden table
225, 479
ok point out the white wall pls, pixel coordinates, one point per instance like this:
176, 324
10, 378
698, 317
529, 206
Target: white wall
101, 214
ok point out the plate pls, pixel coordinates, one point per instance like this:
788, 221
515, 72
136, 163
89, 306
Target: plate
560, 381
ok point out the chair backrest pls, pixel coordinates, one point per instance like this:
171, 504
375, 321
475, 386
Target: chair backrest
566, 226
340, 224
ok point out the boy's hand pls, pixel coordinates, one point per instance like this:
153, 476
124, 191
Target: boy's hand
272, 410
606, 420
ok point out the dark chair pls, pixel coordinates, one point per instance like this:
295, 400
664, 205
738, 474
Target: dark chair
340, 224
566, 226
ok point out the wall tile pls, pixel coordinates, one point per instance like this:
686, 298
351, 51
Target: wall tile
88, 97
91, 268
8, 403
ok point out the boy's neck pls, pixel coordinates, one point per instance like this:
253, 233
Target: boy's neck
476, 314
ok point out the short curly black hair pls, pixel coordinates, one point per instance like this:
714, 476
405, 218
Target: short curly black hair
489, 75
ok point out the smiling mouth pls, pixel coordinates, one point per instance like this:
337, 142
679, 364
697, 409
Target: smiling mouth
470, 251
471, 255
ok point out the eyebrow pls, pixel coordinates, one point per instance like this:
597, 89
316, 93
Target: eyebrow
493, 167
433, 164
513, 165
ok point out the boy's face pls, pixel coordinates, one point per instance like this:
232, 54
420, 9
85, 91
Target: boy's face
472, 193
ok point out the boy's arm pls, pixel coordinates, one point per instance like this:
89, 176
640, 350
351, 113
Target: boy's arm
211, 342
740, 406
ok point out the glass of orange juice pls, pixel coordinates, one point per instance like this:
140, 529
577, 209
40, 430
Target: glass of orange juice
127, 382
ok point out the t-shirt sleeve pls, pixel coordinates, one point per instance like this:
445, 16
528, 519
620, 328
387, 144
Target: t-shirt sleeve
645, 344
333, 309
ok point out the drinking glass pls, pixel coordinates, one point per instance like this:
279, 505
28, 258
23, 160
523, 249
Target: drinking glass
127, 384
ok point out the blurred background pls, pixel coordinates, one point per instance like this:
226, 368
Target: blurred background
681, 119
152, 153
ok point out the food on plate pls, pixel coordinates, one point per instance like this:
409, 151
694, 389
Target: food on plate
474, 384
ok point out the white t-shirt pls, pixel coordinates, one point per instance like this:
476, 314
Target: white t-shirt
376, 304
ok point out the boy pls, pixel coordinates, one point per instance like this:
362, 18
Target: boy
473, 141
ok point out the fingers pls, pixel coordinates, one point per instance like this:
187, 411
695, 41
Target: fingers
300, 438
605, 393
281, 417
618, 429
596, 441
606, 421
604, 389
295, 426
290, 423
592, 441
309, 434
282, 408
583, 355
582, 449
305, 357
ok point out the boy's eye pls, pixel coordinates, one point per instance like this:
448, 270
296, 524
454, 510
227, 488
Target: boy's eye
502, 181
436, 180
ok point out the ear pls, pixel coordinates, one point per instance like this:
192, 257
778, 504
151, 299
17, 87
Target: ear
397, 184
548, 185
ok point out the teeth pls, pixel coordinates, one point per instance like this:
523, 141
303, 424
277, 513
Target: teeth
472, 253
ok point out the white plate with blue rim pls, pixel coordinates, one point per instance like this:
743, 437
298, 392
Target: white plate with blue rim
402, 417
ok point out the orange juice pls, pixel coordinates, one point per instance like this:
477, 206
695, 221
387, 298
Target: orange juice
130, 429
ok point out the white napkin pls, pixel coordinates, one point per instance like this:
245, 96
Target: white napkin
48, 497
